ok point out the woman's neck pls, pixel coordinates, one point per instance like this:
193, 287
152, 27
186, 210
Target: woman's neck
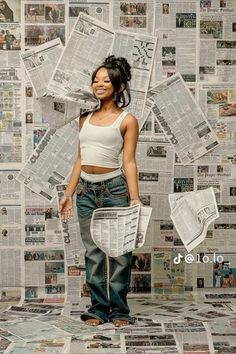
108, 106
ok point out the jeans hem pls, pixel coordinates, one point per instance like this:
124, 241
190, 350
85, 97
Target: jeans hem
87, 315
131, 320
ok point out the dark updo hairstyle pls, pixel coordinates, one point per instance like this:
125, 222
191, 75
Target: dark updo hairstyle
119, 72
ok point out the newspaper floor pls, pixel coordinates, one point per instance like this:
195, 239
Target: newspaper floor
202, 324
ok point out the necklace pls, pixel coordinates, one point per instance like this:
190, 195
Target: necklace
105, 116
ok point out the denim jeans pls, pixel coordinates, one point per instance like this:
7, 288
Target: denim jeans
108, 302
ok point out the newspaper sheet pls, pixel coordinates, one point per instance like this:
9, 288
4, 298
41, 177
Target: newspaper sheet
59, 111
39, 64
33, 329
174, 22
139, 50
87, 33
51, 161
136, 16
120, 230
217, 42
89, 43
59, 345
192, 213
181, 119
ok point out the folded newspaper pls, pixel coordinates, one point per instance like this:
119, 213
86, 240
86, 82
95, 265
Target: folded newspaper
60, 110
117, 231
192, 213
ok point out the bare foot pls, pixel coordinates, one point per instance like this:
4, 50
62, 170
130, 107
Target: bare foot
92, 322
120, 323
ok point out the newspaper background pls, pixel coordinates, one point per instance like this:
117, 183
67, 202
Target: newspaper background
196, 39
160, 169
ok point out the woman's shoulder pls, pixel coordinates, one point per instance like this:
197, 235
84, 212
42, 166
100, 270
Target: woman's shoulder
130, 119
81, 119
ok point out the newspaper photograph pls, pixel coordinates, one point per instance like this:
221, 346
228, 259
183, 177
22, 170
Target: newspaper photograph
43, 22
192, 213
133, 16
119, 230
44, 12
217, 101
185, 126
36, 35
10, 12
11, 39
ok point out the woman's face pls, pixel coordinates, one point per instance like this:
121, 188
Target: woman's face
2, 6
102, 86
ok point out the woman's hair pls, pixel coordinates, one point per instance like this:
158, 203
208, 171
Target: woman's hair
119, 72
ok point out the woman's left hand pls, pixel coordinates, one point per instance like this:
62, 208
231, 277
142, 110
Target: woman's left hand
135, 201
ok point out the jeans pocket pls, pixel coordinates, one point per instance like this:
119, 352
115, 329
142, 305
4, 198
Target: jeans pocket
118, 191
80, 189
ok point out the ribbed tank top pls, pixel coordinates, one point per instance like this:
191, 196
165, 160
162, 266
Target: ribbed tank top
101, 145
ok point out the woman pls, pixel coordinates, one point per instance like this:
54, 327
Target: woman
6, 14
104, 134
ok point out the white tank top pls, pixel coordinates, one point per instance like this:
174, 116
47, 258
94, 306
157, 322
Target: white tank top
101, 145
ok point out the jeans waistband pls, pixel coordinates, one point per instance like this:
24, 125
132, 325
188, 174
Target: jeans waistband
94, 178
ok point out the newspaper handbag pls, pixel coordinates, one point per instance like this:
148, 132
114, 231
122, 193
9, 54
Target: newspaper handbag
117, 231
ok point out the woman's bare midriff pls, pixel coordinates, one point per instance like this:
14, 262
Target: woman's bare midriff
96, 169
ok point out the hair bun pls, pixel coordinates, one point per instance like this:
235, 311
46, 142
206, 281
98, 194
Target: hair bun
120, 63
111, 60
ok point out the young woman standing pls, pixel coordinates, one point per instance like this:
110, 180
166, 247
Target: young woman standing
105, 135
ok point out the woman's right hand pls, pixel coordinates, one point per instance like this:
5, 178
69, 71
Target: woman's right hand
66, 207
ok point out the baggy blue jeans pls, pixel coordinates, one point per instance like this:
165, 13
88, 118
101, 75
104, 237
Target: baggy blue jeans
106, 305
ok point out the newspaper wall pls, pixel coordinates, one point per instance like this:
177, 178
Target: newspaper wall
194, 38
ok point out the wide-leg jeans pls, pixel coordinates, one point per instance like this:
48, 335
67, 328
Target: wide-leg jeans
108, 285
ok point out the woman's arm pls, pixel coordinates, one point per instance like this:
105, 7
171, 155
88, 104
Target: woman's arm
65, 207
74, 177
76, 168
129, 162
66, 203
